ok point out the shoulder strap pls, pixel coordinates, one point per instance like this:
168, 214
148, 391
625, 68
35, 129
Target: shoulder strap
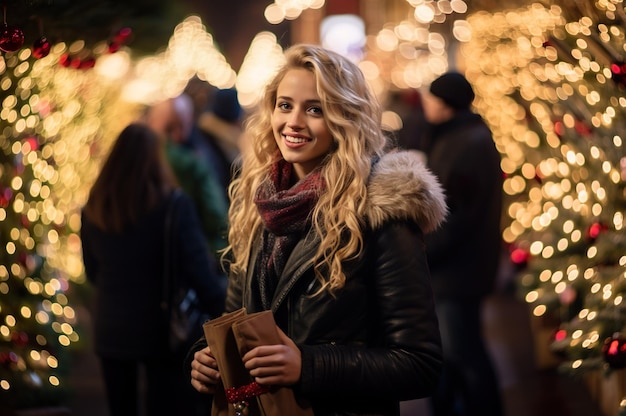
167, 247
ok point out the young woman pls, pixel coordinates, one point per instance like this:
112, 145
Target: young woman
123, 244
327, 233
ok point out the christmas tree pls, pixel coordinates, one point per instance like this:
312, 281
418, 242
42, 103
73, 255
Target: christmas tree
551, 82
57, 118
54, 126
61, 109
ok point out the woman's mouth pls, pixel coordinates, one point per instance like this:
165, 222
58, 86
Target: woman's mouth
296, 139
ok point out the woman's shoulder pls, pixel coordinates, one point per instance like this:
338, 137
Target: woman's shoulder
402, 187
181, 200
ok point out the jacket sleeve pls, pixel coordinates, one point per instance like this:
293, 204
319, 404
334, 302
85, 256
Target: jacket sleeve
404, 359
195, 260
233, 302
89, 259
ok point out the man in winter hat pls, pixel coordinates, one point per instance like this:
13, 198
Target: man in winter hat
463, 253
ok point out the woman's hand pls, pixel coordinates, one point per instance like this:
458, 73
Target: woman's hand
275, 364
204, 374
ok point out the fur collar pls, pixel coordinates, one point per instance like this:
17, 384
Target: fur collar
401, 187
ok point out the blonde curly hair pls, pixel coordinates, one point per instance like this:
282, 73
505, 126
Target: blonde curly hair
353, 116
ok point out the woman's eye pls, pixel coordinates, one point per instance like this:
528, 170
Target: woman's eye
316, 110
283, 106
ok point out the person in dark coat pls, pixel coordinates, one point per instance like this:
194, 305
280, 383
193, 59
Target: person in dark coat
122, 237
218, 135
327, 232
463, 254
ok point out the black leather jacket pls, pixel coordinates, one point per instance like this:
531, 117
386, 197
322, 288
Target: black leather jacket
377, 341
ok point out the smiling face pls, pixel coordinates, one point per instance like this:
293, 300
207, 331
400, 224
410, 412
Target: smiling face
298, 123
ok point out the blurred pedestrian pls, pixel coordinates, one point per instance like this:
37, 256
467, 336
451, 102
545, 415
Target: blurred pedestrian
122, 236
463, 253
173, 120
219, 135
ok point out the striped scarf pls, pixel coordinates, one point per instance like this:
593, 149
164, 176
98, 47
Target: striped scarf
286, 213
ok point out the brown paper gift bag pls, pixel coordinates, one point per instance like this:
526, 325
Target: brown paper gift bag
219, 335
260, 329
230, 337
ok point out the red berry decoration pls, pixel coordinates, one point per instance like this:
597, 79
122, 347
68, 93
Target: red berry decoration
618, 71
614, 351
559, 128
87, 63
595, 229
11, 38
520, 257
122, 37
65, 60
559, 343
75, 62
114, 47
41, 47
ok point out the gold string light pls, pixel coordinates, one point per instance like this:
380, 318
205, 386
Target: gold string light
414, 51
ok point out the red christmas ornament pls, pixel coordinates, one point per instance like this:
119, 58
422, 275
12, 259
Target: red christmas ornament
595, 230
560, 335
559, 128
65, 60
11, 38
5, 197
520, 257
618, 72
559, 343
114, 47
614, 351
87, 63
77, 62
32, 143
41, 47
121, 38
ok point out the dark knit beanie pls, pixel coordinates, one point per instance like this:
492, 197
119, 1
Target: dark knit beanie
226, 105
454, 89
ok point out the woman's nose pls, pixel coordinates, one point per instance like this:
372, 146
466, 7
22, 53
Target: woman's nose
296, 119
